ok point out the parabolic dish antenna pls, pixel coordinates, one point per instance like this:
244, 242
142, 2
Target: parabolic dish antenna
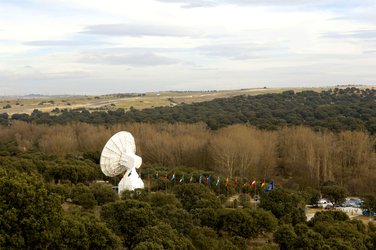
119, 156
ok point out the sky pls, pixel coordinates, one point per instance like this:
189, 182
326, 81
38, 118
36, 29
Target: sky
119, 46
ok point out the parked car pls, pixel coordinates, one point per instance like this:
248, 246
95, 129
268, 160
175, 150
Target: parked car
352, 202
324, 203
369, 213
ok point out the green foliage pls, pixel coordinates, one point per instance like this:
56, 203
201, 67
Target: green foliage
331, 229
204, 238
127, 218
369, 202
205, 216
372, 227
286, 206
239, 242
72, 169
329, 216
19, 164
177, 218
334, 193
163, 234
345, 231
86, 232
73, 234
264, 221
103, 193
313, 196
285, 236
147, 245
371, 240
196, 196
307, 238
4, 119
29, 216
247, 223
82, 195
226, 244
159, 199
64, 190
236, 222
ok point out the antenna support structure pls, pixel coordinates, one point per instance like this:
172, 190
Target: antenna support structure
118, 157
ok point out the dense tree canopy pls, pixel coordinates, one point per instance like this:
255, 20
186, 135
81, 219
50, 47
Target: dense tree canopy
29, 216
337, 110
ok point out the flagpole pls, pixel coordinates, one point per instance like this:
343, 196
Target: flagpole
255, 198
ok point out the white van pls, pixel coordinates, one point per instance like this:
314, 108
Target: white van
324, 203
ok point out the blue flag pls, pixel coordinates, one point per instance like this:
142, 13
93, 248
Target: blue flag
269, 187
173, 177
200, 179
208, 180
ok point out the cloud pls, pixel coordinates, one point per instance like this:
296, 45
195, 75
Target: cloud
368, 52
138, 60
211, 3
240, 51
63, 43
358, 34
139, 30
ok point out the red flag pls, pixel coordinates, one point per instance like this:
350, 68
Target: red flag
253, 183
165, 177
234, 183
244, 184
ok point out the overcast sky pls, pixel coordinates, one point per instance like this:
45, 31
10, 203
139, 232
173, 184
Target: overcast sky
112, 46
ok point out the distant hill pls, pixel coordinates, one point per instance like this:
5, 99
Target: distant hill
335, 109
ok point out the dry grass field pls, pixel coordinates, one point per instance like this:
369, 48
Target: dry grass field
27, 104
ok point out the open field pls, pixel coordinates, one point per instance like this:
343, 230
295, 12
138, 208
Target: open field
27, 104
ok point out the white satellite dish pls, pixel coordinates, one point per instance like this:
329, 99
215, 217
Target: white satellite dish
119, 156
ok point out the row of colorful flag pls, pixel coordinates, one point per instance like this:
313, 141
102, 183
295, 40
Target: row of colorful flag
208, 180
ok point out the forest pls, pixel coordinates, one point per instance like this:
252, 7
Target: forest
335, 109
54, 196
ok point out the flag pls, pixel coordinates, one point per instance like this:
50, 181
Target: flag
269, 187
253, 184
173, 177
191, 179
208, 180
226, 181
234, 183
165, 177
200, 179
217, 182
262, 183
244, 185
181, 179
156, 176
